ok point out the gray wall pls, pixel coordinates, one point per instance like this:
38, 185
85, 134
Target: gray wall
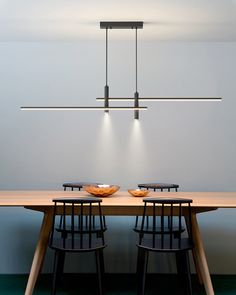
188, 143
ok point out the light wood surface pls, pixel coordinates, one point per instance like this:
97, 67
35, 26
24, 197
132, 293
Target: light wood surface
44, 198
119, 204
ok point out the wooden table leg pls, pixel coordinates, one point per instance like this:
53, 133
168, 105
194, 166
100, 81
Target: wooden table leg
201, 257
197, 268
40, 251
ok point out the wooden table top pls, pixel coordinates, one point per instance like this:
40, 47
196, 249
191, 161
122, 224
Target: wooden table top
44, 198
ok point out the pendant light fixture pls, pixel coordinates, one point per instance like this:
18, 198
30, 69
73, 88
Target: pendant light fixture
106, 99
123, 25
136, 99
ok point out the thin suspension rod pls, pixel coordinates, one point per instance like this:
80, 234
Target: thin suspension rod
136, 95
106, 88
136, 59
106, 55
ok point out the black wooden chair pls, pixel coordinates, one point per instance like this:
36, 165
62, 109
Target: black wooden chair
71, 233
159, 238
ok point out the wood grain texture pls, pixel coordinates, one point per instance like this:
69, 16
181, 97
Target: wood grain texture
119, 199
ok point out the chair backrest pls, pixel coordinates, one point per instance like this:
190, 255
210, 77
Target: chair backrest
74, 225
167, 220
159, 186
78, 185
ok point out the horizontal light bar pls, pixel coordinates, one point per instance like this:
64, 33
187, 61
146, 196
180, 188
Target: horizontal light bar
162, 99
83, 108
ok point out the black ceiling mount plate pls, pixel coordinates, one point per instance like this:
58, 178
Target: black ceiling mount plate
121, 25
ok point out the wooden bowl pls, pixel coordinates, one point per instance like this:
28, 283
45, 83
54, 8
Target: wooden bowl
101, 190
138, 192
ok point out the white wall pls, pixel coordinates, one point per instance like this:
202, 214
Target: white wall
188, 143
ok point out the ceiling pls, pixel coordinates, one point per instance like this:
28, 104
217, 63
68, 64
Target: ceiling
72, 20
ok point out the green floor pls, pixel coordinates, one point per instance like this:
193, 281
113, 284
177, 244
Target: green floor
115, 285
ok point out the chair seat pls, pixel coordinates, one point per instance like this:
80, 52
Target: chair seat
79, 246
147, 243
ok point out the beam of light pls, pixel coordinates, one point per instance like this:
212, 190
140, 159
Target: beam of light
104, 151
106, 116
137, 161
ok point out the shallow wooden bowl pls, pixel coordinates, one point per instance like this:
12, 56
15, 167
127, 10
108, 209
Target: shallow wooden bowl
138, 192
101, 190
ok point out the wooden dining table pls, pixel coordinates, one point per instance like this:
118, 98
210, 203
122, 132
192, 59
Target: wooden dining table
119, 204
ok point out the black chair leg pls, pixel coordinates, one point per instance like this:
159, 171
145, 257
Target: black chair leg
188, 274
61, 262
183, 268
102, 262
100, 269
180, 271
142, 263
58, 266
136, 221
